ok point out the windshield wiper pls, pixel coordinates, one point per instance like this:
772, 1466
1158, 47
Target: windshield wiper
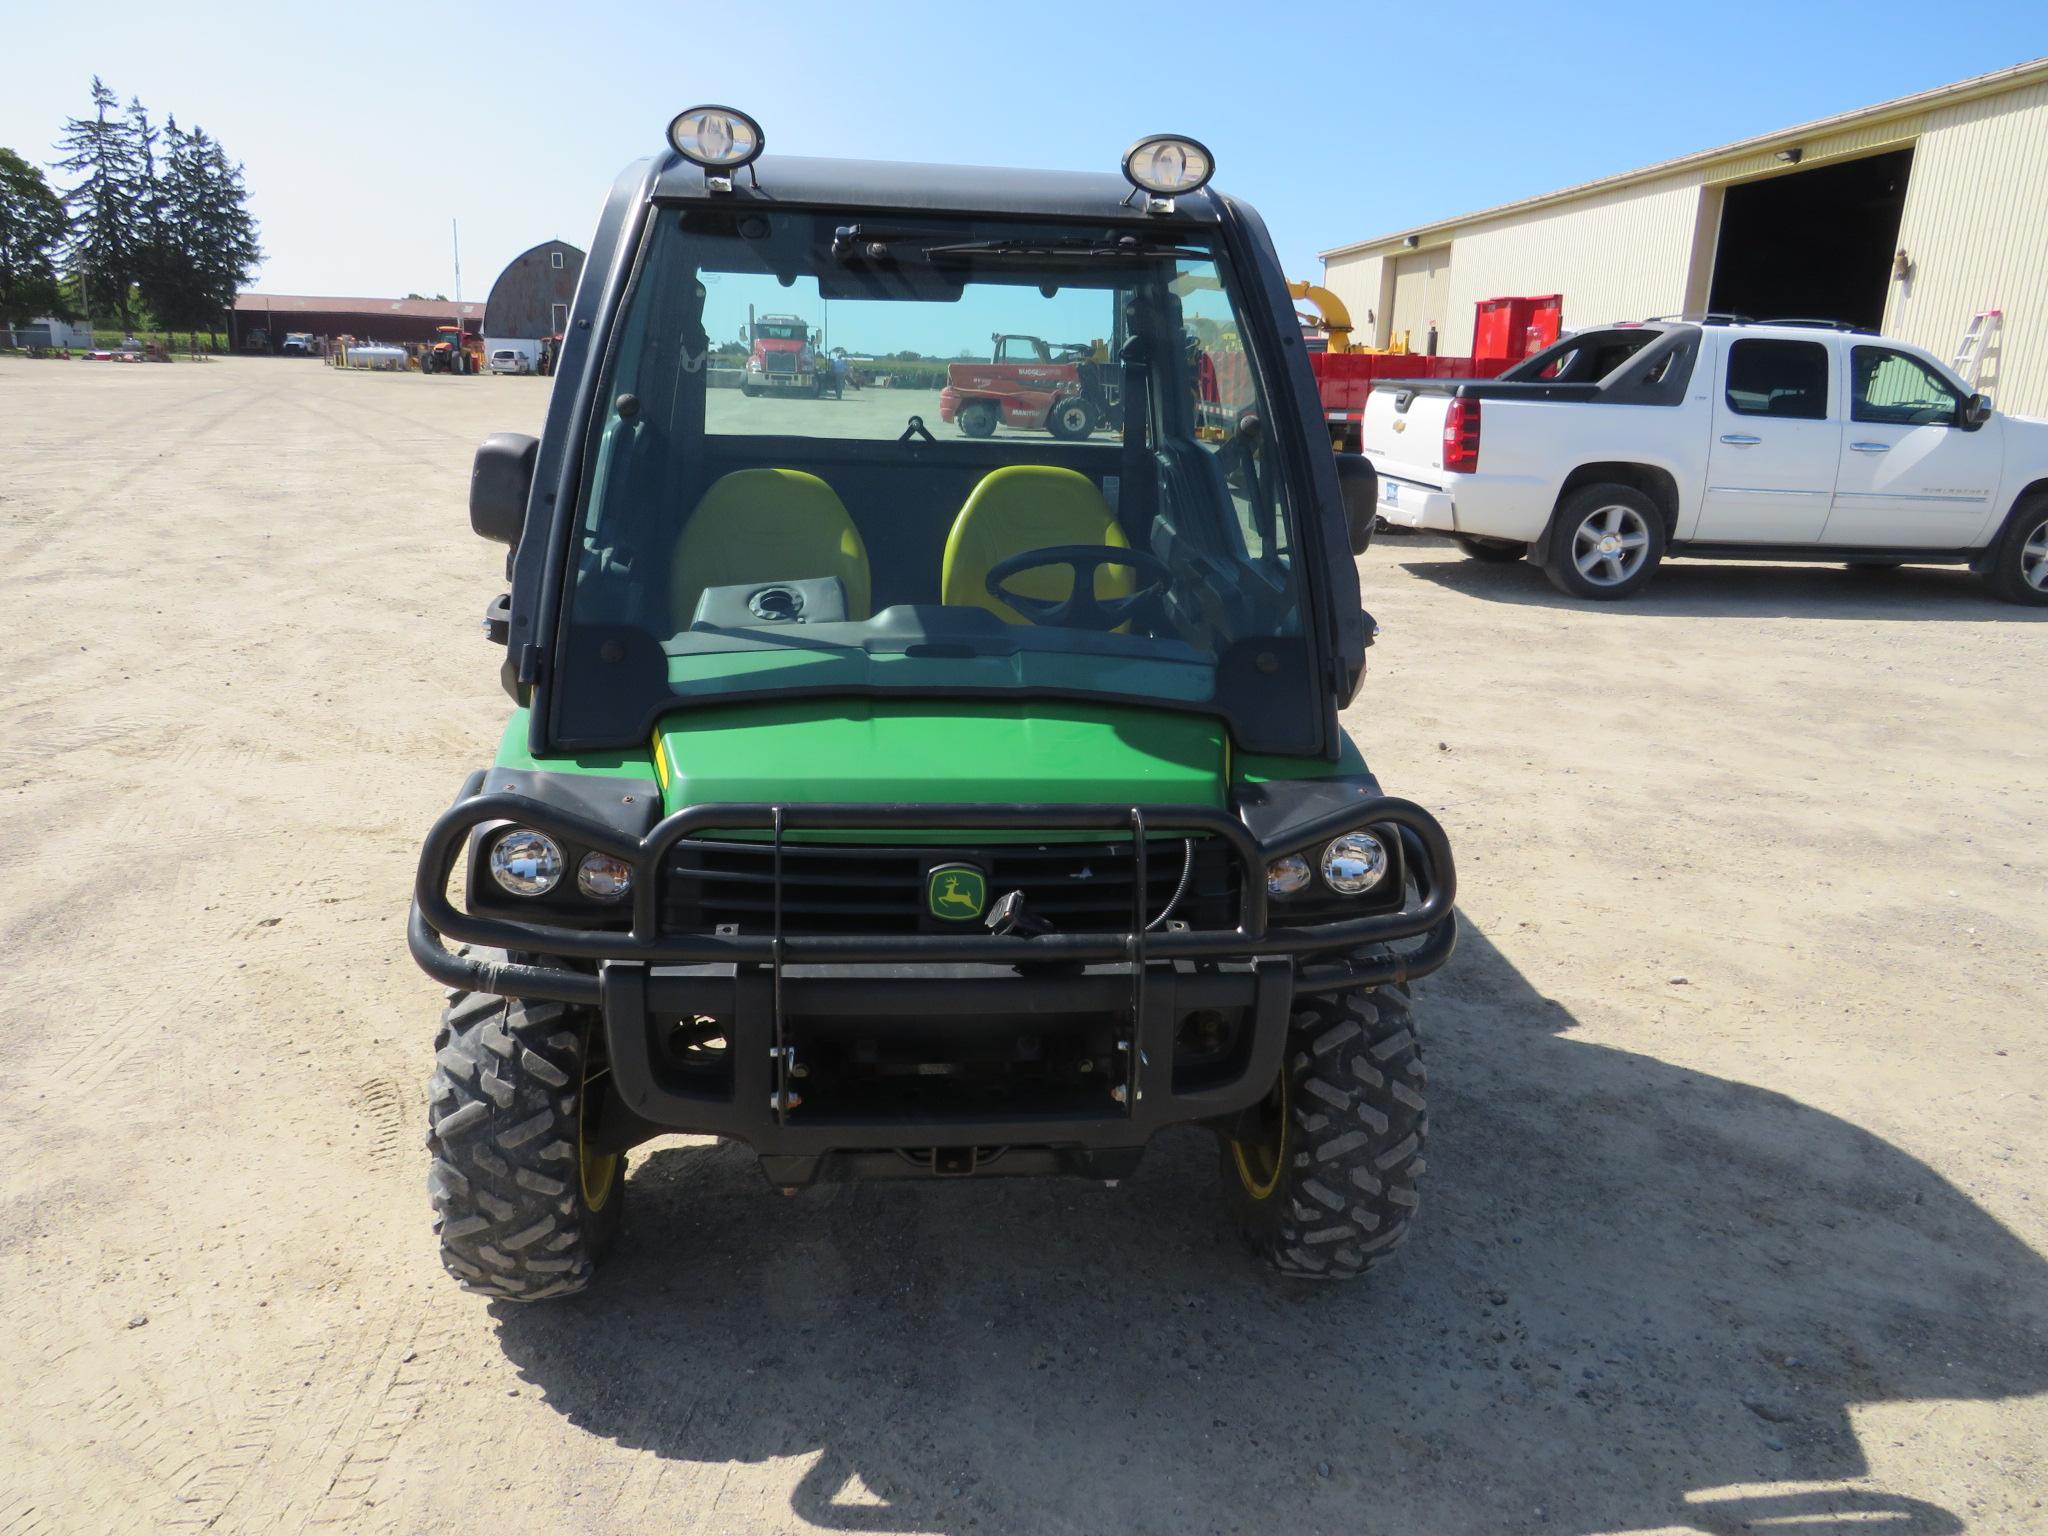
1080, 245
852, 242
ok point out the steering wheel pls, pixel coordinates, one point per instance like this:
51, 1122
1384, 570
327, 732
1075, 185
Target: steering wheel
1080, 609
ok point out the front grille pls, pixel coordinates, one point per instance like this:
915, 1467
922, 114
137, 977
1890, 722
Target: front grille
835, 889
780, 362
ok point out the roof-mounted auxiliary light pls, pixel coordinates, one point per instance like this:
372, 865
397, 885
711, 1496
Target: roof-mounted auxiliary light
1166, 166
720, 139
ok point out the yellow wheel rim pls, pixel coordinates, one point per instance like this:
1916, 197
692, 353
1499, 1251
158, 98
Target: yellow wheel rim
1259, 1162
594, 1170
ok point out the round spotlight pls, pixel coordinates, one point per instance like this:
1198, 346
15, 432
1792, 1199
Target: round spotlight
1354, 863
604, 878
526, 862
717, 138
1285, 876
1168, 165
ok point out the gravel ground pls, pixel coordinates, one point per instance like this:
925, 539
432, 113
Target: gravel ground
1730, 1220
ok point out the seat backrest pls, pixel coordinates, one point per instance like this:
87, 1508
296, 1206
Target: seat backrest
767, 525
1028, 506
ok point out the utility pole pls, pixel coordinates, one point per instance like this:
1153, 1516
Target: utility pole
455, 237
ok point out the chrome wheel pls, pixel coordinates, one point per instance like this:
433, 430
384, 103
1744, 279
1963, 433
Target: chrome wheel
2034, 559
1610, 545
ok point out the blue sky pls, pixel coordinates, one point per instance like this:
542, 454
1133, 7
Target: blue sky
1338, 121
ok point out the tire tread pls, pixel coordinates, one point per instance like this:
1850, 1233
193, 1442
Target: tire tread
511, 1218
1347, 1189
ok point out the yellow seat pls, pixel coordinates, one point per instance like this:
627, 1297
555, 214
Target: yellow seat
1028, 506
767, 525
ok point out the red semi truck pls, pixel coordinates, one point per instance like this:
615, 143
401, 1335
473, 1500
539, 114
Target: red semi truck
782, 361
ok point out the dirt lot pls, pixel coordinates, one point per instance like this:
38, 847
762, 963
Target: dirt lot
1730, 1220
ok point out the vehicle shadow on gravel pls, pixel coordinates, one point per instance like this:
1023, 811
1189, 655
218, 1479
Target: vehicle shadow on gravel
1689, 589
1635, 1294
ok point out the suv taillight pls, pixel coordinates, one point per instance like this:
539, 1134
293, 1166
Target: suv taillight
1461, 436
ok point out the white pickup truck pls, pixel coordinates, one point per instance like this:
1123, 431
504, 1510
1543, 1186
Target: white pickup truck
1618, 447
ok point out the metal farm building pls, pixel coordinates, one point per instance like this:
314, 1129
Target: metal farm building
1910, 217
261, 321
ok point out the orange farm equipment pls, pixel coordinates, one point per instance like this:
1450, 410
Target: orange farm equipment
1032, 384
454, 351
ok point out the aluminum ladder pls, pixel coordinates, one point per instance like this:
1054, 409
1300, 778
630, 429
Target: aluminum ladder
1968, 362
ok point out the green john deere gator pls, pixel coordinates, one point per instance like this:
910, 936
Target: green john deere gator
915, 806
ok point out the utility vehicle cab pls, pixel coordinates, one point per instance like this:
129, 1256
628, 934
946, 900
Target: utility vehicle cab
909, 805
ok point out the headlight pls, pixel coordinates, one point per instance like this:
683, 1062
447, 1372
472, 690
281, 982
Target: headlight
1354, 863
526, 862
1286, 876
603, 878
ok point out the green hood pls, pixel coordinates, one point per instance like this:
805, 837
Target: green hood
941, 751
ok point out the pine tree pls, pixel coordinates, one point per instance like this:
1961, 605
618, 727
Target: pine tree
224, 243
31, 231
150, 255
105, 238
171, 285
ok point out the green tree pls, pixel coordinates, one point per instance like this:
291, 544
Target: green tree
230, 247
205, 246
171, 284
107, 235
32, 228
151, 235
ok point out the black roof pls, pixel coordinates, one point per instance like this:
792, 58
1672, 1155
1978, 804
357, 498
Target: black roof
883, 184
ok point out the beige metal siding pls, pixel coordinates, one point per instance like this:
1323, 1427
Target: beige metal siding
1618, 256
1976, 230
1356, 280
1849, 144
1421, 279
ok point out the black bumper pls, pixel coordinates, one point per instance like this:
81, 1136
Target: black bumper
768, 989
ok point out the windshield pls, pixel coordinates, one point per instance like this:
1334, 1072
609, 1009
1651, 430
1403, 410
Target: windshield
1014, 458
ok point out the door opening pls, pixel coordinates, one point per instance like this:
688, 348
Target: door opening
1813, 245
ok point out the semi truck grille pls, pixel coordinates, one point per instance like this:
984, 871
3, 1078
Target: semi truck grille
841, 890
780, 362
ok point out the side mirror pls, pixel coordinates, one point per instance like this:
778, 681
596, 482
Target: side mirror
1976, 411
1360, 483
499, 482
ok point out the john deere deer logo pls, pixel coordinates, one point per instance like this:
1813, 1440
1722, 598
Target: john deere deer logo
957, 892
